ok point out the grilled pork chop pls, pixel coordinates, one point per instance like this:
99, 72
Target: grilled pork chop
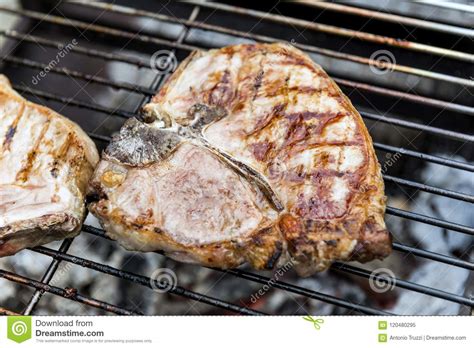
250, 153
46, 161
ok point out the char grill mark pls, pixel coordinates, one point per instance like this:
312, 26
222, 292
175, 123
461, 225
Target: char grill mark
222, 93
260, 150
9, 136
12, 130
60, 155
258, 82
22, 175
275, 113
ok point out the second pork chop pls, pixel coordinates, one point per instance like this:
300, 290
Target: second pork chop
46, 161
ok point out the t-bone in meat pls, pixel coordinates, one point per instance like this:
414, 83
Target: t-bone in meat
46, 161
249, 153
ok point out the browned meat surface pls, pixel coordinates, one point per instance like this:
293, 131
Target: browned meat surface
45, 163
251, 154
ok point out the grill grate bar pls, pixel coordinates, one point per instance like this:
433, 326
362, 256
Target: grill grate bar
329, 29
15, 35
421, 127
140, 63
425, 157
431, 189
464, 109
68, 293
145, 281
433, 256
282, 20
94, 27
390, 17
330, 53
72, 73
148, 39
47, 277
345, 56
75, 102
404, 284
430, 220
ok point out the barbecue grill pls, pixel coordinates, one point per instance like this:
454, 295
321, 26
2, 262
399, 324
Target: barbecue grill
433, 115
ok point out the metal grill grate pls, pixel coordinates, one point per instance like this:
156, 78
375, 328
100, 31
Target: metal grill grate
180, 43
